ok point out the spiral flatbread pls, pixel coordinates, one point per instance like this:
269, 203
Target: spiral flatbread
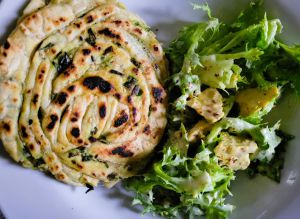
81, 91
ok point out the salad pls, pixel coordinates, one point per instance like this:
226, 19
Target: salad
225, 79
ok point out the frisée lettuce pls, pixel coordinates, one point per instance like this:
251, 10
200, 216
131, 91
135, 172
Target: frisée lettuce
191, 185
225, 78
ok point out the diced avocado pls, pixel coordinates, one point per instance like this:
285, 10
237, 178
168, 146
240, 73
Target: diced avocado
256, 101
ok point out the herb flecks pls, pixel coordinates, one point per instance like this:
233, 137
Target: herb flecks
91, 39
62, 62
130, 82
90, 188
48, 46
137, 91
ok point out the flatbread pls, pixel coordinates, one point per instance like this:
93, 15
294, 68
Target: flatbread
81, 91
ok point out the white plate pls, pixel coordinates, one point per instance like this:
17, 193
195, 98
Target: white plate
30, 194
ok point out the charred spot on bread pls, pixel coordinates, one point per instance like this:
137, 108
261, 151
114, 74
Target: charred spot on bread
35, 99
75, 132
118, 96
6, 126
66, 109
97, 82
155, 48
109, 33
24, 132
89, 19
157, 93
86, 52
92, 139
117, 22
6, 45
111, 176
74, 119
138, 30
102, 111
115, 72
40, 114
54, 119
71, 88
147, 130
61, 98
108, 50
121, 120
122, 152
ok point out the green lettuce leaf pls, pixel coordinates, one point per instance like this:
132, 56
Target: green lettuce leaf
182, 51
196, 185
279, 65
210, 50
292, 51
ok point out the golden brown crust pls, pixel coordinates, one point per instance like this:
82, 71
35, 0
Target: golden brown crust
83, 95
